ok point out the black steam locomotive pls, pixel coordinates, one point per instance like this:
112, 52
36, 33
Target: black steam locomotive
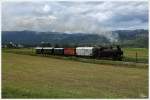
105, 52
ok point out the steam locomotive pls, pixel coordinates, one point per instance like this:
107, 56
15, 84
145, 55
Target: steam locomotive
90, 52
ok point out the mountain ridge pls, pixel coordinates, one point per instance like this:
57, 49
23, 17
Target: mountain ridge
125, 38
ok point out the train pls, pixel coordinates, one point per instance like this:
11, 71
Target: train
89, 52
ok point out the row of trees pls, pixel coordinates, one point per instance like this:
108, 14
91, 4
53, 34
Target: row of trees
47, 44
57, 45
74, 45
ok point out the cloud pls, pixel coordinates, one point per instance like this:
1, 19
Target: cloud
46, 8
75, 13
64, 16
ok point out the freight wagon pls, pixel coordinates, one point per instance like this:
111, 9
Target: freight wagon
58, 51
69, 51
38, 50
85, 51
48, 50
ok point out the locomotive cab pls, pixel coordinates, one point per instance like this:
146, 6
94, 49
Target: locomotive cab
119, 54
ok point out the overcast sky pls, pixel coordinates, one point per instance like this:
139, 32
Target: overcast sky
91, 17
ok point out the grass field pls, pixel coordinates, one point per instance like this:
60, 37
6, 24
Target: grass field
130, 54
25, 76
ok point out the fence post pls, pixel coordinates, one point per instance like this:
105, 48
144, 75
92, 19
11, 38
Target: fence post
136, 57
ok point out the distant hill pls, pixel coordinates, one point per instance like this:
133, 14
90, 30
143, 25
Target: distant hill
133, 38
129, 38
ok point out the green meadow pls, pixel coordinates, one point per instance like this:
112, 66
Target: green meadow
26, 75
